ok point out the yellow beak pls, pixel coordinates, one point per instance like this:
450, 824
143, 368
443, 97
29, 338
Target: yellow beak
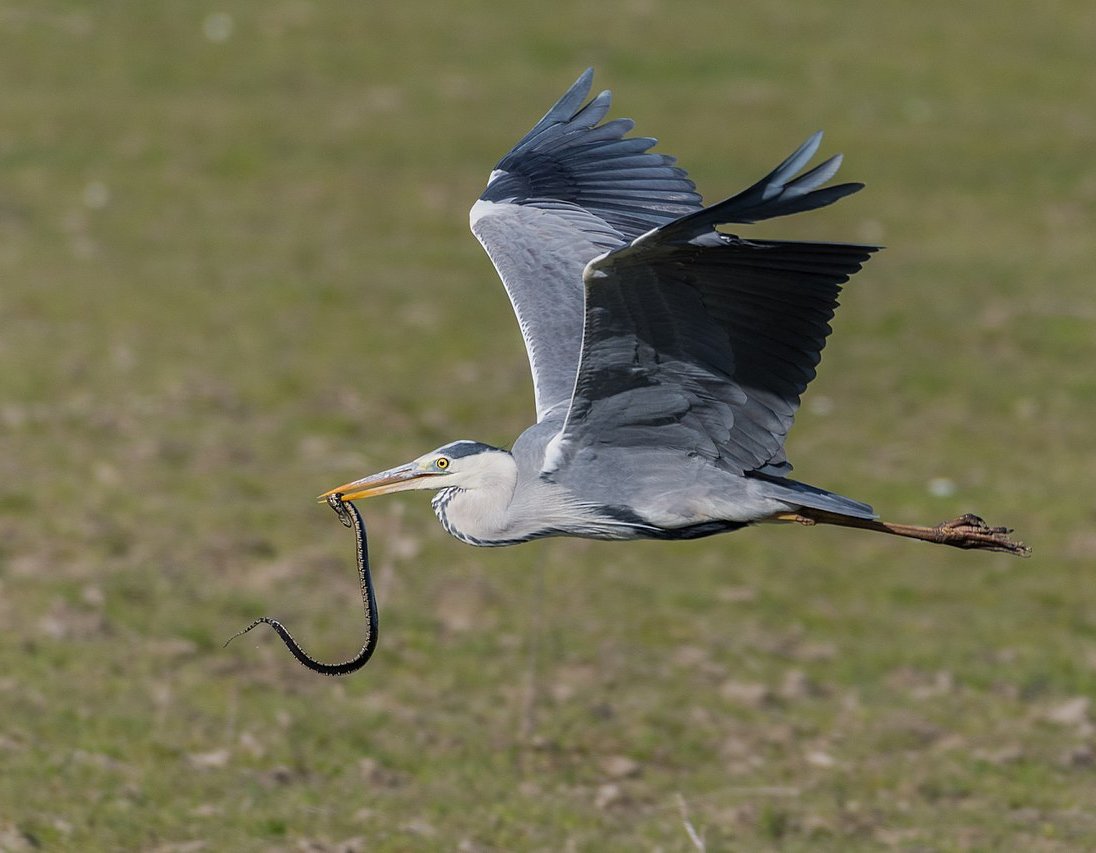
393, 480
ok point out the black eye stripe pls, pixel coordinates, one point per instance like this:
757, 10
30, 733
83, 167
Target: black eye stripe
463, 448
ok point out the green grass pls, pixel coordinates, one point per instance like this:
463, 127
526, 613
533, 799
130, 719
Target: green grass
234, 273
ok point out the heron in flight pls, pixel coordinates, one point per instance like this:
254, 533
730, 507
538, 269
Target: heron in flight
668, 356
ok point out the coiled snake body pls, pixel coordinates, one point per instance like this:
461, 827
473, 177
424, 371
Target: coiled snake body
350, 517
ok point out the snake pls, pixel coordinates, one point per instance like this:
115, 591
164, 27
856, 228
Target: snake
350, 517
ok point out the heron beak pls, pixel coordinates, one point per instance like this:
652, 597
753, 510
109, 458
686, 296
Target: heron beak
393, 480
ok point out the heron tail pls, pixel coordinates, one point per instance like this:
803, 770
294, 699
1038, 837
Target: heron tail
805, 495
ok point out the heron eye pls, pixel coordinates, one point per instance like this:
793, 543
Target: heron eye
441, 463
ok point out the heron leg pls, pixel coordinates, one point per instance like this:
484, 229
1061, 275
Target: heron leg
967, 531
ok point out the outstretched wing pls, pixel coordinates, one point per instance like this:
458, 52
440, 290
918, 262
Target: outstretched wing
703, 342
570, 190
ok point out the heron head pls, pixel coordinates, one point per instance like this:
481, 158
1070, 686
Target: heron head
460, 464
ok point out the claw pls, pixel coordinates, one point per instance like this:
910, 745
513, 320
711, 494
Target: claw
970, 531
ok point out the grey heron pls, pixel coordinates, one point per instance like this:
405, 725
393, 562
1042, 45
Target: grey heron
668, 356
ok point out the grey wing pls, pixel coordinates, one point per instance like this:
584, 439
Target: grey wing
700, 343
570, 190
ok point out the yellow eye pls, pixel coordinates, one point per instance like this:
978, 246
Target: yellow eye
441, 463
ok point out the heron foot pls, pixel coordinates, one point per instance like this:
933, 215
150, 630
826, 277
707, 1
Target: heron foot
970, 531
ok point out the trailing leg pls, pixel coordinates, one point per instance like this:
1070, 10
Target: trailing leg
967, 531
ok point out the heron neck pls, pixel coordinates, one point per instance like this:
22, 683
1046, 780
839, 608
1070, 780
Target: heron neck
480, 512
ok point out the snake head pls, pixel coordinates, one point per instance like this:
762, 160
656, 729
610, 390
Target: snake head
336, 503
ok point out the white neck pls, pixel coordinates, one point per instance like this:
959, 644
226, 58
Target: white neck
478, 511
488, 509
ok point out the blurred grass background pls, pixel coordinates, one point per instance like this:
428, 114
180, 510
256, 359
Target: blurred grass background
235, 270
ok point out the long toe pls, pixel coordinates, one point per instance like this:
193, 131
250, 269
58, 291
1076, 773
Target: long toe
970, 531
